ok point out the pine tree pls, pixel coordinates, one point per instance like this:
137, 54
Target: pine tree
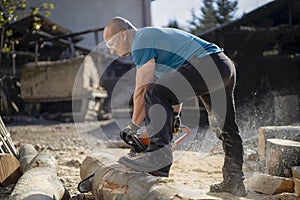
173, 24
207, 19
213, 12
226, 10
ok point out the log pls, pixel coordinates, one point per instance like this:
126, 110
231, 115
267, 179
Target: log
282, 155
115, 181
296, 172
296, 177
279, 132
297, 187
270, 185
27, 153
40, 180
9, 169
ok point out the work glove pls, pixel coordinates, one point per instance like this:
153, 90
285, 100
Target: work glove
176, 122
127, 133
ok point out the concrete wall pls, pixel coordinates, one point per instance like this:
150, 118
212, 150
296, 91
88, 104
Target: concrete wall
78, 15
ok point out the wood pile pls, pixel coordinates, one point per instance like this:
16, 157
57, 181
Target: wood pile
279, 153
35, 175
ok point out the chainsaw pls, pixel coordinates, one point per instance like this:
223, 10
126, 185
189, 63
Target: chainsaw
140, 141
138, 144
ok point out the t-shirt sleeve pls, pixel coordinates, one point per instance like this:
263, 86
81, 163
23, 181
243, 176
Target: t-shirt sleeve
142, 56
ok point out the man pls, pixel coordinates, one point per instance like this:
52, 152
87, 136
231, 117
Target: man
177, 57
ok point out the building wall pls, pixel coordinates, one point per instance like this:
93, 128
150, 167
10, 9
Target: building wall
79, 15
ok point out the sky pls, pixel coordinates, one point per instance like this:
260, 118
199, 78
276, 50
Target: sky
165, 10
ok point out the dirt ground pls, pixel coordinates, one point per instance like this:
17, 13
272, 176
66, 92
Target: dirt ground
70, 144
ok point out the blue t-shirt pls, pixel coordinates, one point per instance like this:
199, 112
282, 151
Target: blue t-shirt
170, 48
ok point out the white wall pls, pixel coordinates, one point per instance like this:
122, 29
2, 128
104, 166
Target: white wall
79, 15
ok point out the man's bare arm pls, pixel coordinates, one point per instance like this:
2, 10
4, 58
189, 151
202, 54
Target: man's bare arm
144, 77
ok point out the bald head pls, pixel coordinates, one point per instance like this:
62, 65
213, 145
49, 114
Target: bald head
116, 25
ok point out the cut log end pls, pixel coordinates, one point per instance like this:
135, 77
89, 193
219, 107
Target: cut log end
9, 169
281, 156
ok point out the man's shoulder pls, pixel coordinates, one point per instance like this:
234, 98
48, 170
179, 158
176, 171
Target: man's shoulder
148, 30
145, 37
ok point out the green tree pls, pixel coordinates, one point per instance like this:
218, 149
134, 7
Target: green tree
173, 24
226, 10
13, 10
213, 12
206, 20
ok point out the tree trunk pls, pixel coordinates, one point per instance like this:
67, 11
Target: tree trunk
281, 156
39, 181
9, 169
278, 132
115, 181
27, 153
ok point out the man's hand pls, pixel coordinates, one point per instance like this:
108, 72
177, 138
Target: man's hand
127, 133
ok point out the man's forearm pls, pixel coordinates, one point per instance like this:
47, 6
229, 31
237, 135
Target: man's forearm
139, 105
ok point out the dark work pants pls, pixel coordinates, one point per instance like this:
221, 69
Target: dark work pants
208, 77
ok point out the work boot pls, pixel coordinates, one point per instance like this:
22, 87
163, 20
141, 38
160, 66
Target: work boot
156, 163
236, 188
145, 164
163, 172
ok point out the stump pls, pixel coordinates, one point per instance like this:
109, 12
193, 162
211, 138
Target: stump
39, 181
281, 156
278, 132
115, 181
9, 169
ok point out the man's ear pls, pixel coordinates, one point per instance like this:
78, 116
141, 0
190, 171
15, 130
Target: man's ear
124, 35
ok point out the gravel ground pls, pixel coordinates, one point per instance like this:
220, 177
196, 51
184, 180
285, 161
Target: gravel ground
70, 144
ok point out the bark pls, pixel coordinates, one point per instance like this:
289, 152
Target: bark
40, 180
9, 169
115, 181
281, 156
27, 153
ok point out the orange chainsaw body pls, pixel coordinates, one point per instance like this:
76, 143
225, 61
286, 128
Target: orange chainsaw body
183, 131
